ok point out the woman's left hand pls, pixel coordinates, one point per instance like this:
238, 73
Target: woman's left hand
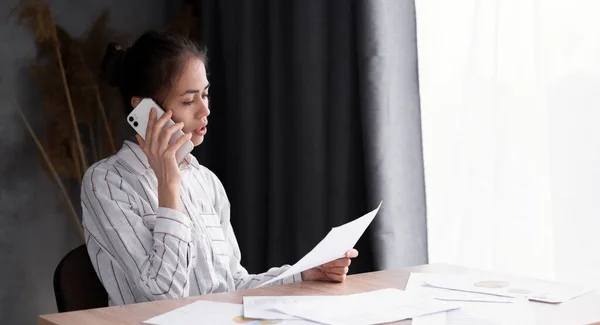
335, 270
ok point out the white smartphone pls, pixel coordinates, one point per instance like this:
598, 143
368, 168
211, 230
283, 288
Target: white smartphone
139, 117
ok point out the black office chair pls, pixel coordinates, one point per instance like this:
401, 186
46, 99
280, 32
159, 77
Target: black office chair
76, 285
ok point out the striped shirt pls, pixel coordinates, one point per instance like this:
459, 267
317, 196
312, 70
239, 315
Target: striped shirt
143, 252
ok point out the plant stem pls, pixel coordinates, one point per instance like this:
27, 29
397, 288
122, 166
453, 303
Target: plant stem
69, 100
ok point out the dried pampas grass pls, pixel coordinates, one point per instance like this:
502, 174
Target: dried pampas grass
78, 126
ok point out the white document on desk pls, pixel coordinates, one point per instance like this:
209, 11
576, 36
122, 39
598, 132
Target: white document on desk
337, 242
263, 307
374, 307
475, 308
509, 286
418, 283
213, 313
482, 313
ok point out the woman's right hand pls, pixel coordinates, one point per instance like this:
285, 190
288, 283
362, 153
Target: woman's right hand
161, 156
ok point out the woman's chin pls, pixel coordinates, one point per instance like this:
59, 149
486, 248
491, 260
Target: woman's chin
197, 140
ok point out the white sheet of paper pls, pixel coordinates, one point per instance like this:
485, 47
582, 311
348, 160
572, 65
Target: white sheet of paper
419, 285
374, 307
482, 313
263, 307
435, 319
510, 286
211, 312
472, 311
337, 242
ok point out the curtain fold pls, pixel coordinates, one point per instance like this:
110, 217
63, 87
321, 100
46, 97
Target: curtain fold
391, 119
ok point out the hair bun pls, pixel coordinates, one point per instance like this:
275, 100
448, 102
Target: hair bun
111, 67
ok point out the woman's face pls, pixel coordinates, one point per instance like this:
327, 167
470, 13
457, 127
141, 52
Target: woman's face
188, 100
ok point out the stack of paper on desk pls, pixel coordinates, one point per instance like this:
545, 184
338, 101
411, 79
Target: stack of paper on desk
488, 299
213, 313
263, 307
475, 308
482, 313
374, 307
508, 286
447, 294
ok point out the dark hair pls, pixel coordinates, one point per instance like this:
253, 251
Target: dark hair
150, 66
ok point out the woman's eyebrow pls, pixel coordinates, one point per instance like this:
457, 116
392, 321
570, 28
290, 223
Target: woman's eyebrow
194, 91
190, 91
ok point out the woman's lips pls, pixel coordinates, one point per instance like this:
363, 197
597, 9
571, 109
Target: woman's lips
201, 131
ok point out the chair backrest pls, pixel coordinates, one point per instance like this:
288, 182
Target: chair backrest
76, 285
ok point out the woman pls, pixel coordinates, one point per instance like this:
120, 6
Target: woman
156, 229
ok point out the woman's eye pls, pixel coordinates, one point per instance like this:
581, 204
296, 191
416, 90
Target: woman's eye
188, 103
205, 96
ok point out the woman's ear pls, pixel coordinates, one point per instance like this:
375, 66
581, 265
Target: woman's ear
135, 101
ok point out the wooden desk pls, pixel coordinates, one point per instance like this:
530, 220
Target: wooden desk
582, 310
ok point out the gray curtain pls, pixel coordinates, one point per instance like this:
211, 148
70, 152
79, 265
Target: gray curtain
391, 117
315, 119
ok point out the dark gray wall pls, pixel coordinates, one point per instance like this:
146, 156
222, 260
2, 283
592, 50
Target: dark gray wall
35, 230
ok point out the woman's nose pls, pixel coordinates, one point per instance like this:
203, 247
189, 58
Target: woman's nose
203, 111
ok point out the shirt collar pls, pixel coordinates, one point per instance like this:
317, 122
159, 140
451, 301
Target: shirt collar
134, 156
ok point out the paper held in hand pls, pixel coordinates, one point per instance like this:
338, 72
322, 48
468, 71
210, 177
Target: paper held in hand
337, 242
